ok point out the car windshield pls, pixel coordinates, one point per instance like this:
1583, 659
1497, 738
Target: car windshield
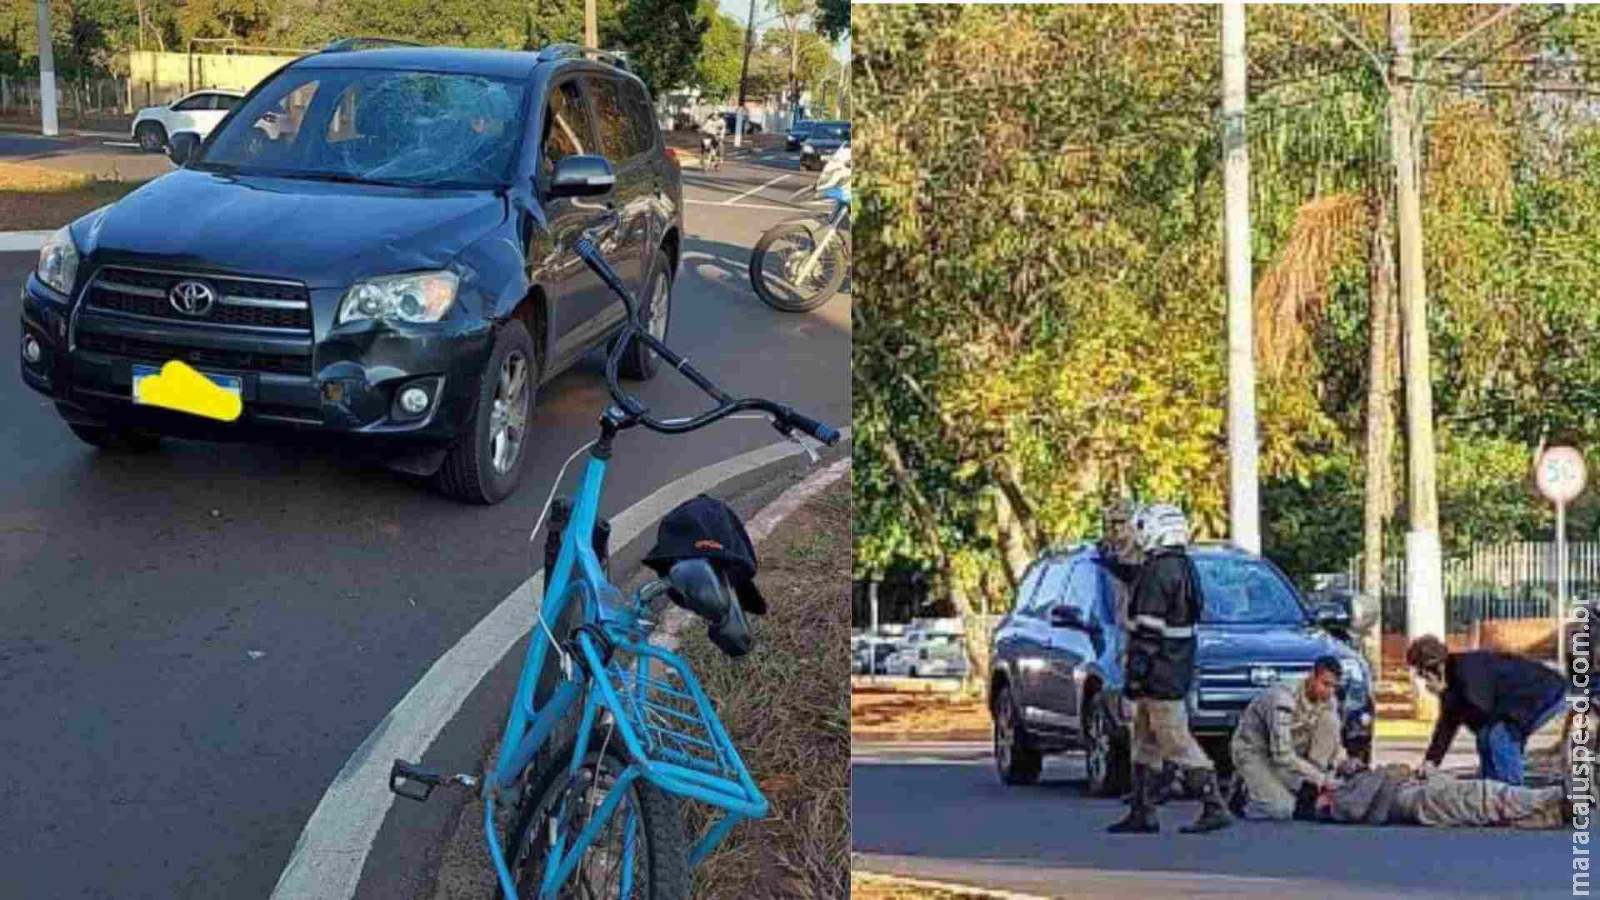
1242, 591
376, 126
830, 132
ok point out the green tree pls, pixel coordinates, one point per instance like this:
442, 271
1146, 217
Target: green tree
665, 38
833, 18
716, 69
243, 19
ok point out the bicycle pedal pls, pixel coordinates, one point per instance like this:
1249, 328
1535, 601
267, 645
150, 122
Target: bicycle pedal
403, 773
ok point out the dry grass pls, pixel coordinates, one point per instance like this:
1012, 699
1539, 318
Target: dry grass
883, 714
1291, 295
784, 707
866, 886
36, 198
23, 178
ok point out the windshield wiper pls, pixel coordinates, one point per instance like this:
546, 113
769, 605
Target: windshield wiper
221, 167
347, 178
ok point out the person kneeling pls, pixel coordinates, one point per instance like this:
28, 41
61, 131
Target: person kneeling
1287, 744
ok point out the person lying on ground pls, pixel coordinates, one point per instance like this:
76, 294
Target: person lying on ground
1398, 795
1287, 737
1502, 697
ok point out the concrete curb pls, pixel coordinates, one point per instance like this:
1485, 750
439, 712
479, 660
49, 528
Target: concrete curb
328, 859
929, 885
64, 132
23, 241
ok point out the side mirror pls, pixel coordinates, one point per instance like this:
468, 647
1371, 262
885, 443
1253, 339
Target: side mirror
1068, 617
1332, 614
582, 176
181, 146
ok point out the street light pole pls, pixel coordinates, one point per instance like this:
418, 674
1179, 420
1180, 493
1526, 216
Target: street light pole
1243, 492
47, 72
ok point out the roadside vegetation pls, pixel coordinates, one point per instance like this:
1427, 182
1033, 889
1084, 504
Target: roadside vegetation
786, 707
33, 198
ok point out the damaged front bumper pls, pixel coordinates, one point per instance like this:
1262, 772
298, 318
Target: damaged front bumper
336, 381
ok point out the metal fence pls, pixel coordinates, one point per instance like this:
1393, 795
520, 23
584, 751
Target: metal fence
87, 98
1497, 583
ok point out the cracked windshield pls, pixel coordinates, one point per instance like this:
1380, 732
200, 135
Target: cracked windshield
381, 127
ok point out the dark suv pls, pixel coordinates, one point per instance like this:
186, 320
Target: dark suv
374, 244
1056, 682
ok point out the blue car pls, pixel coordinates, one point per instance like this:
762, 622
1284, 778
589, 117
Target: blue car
1056, 682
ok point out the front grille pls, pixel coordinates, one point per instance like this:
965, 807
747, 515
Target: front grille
1231, 688
151, 351
144, 293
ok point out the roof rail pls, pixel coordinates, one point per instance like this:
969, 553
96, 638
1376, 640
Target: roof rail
366, 43
616, 58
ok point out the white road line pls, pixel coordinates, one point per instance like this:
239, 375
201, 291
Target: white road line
725, 205
755, 190
120, 143
332, 851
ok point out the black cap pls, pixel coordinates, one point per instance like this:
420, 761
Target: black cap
706, 528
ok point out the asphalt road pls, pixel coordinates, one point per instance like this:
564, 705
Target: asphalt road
193, 643
939, 812
105, 157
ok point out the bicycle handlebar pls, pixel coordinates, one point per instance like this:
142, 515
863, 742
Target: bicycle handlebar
785, 419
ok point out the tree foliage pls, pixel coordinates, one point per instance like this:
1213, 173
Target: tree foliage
1041, 325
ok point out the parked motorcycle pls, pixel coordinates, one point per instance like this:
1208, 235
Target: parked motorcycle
800, 263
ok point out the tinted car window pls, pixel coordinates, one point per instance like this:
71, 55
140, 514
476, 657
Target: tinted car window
1029, 582
615, 128
1243, 591
567, 130
197, 102
644, 118
225, 101
1084, 588
1052, 589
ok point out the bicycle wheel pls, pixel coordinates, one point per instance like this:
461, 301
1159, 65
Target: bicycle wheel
775, 265
644, 839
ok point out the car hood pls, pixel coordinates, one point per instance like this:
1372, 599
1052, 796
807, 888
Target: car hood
324, 234
1224, 646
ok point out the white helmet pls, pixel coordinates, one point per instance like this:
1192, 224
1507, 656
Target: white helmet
1160, 525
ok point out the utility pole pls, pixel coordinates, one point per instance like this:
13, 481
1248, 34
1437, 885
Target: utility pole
47, 72
1243, 489
744, 74
1424, 575
591, 27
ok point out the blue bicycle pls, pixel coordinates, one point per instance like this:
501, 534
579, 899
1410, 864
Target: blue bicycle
597, 804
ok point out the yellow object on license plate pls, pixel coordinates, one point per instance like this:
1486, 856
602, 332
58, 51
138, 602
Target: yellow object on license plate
177, 386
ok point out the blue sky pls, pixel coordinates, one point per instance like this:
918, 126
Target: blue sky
740, 9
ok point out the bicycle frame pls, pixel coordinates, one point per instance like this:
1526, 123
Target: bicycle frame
836, 220
578, 576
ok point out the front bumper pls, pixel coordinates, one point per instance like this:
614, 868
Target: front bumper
336, 382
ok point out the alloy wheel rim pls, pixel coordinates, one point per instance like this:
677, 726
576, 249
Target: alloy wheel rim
660, 306
509, 418
1099, 751
1002, 737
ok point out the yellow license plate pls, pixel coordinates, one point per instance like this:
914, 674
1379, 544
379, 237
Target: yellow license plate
177, 386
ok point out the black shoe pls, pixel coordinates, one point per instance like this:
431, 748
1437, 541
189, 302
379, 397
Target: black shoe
1141, 819
1213, 814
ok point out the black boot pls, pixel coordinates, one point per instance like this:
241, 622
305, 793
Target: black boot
1213, 814
1163, 788
1237, 796
1141, 819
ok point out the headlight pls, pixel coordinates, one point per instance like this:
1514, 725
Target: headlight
58, 261
806, 147
416, 298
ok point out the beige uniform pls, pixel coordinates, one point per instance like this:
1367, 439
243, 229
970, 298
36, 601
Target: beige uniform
1283, 741
1446, 802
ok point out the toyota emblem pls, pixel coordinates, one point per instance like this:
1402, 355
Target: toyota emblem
1263, 676
191, 298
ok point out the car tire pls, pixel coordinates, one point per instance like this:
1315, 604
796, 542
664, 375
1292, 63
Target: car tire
639, 362
117, 440
473, 471
1015, 757
912, 672
152, 136
1108, 758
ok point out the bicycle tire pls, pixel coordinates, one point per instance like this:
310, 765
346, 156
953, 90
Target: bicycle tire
665, 843
805, 304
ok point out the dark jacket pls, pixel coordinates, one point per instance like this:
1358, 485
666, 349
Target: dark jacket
1484, 687
1366, 798
1161, 620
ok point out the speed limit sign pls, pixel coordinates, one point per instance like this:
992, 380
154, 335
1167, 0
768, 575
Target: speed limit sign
1561, 474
